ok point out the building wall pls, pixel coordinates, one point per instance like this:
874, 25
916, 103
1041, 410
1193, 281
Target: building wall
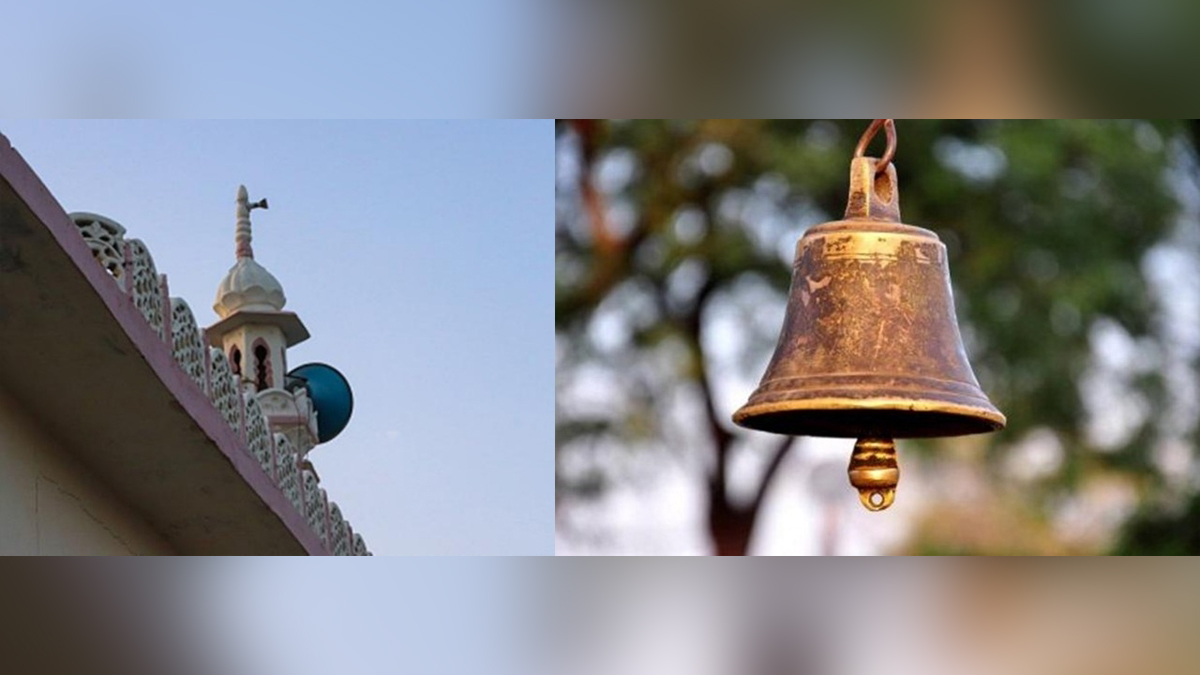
50, 504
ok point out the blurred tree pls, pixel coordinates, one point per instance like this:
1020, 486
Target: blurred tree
664, 229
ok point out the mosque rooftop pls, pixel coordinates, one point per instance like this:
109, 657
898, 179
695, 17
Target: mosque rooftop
94, 345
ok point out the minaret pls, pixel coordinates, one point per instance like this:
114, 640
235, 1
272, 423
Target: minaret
255, 332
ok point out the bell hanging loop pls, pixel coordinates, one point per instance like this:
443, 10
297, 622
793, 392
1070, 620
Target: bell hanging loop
865, 140
870, 347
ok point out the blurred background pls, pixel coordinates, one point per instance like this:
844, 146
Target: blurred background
803, 58
1074, 249
943, 617
919, 58
259, 616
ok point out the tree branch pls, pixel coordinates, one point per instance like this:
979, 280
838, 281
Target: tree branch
721, 438
781, 448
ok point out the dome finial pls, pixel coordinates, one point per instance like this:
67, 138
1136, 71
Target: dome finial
248, 286
242, 236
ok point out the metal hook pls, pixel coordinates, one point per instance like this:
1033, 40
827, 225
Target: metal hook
890, 152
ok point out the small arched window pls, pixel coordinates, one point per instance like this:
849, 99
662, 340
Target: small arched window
262, 366
235, 360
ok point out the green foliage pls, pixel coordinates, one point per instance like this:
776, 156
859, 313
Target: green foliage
1157, 532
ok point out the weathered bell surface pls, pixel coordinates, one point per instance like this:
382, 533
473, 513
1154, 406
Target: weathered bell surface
870, 347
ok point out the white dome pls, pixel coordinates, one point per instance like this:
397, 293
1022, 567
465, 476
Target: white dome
248, 287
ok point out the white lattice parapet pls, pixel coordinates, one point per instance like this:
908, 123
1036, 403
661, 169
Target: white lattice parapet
223, 389
186, 343
354, 542
338, 540
314, 504
258, 437
287, 471
360, 546
129, 263
144, 285
323, 530
106, 238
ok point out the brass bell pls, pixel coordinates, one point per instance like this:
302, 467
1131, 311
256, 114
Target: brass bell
870, 347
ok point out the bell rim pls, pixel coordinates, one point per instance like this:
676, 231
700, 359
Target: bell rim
866, 226
993, 420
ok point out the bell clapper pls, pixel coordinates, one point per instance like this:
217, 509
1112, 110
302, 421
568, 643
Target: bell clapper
874, 472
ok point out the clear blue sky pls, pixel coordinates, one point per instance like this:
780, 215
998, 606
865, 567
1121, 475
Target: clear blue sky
416, 254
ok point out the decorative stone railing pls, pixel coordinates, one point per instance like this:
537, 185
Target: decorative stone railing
129, 263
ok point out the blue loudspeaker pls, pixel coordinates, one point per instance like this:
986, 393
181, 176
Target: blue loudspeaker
331, 396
